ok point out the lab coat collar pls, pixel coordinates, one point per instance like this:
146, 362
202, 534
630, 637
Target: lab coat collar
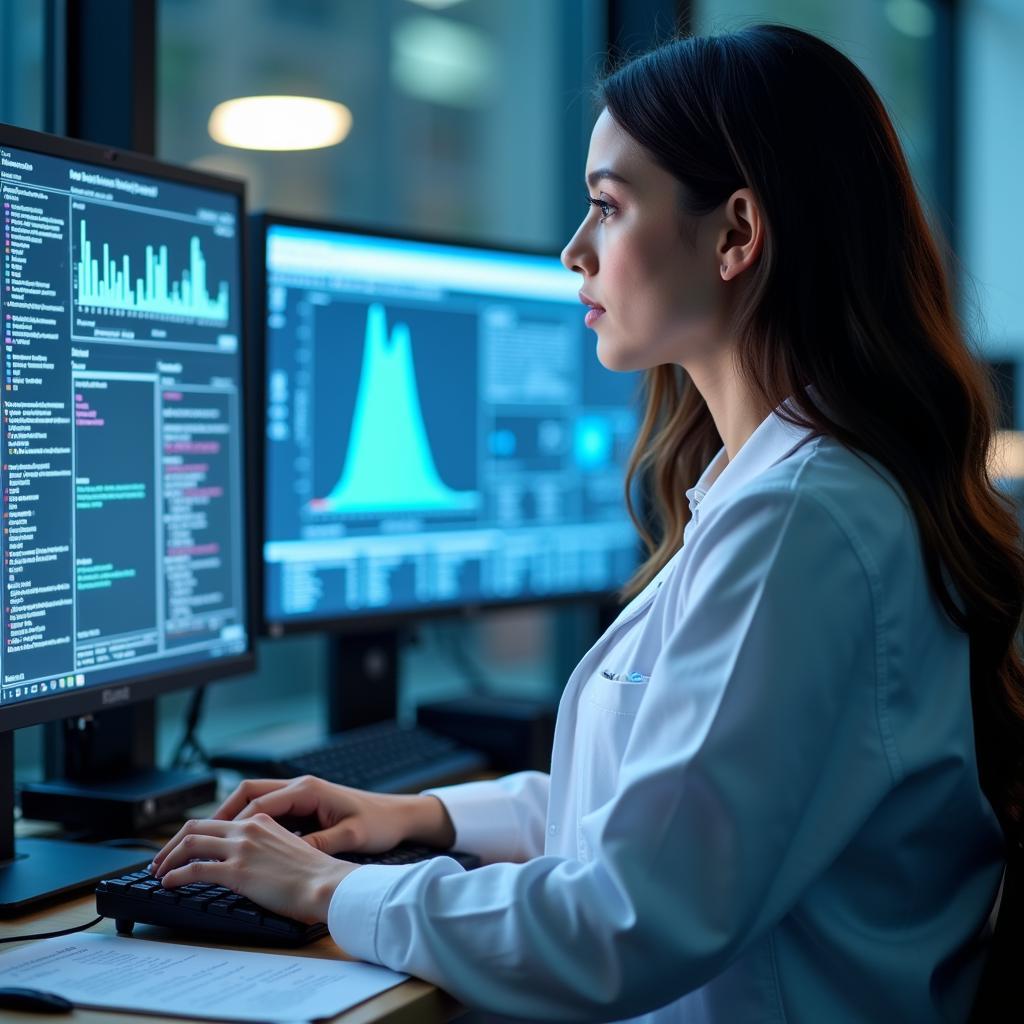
772, 441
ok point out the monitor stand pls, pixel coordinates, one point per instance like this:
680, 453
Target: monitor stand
363, 674
101, 776
38, 871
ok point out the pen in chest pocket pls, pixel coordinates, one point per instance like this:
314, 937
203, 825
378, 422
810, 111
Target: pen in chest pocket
625, 677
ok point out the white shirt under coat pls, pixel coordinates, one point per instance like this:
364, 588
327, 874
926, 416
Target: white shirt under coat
763, 803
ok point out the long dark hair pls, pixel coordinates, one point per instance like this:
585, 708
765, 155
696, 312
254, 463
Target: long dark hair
850, 295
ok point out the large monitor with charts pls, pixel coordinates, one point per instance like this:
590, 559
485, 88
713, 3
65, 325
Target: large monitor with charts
439, 432
124, 544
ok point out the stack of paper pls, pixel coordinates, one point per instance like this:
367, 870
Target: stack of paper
119, 973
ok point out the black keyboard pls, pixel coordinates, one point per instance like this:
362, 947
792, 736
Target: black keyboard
211, 911
383, 758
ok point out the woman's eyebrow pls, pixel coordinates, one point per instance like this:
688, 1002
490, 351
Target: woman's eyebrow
604, 173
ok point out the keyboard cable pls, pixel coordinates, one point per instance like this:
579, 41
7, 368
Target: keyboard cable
144, 844
53, 935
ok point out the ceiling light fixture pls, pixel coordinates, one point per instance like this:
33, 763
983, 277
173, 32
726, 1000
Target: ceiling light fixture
279, 123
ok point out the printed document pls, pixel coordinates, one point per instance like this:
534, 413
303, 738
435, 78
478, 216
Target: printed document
120, 973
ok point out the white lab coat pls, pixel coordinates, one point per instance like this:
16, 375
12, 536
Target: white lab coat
763, 802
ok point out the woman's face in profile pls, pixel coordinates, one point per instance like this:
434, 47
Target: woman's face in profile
649, 270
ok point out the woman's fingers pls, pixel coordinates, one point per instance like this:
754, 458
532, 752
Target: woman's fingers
207, 826
250, 789
289, 801
206, 870
194, 846
259, 859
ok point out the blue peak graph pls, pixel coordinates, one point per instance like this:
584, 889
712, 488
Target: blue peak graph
108, 283
389, 466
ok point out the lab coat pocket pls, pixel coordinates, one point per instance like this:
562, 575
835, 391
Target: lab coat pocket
608, 708
618, 692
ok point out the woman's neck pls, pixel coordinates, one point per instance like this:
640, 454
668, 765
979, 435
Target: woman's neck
734, 408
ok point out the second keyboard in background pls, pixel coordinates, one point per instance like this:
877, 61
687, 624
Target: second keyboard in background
382, 758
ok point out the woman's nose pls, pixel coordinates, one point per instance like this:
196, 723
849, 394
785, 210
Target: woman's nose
578, 255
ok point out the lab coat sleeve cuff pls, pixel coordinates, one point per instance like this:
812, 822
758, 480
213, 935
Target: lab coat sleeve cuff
354, 913
485, 819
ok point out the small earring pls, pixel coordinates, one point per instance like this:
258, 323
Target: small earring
725, 268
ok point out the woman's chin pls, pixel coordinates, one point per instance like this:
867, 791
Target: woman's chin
616, 357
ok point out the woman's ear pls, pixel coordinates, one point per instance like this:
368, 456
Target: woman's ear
742, 235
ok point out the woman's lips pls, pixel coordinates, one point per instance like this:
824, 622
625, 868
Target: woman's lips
594, 313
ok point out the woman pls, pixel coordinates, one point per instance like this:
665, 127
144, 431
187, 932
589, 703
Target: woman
781, 781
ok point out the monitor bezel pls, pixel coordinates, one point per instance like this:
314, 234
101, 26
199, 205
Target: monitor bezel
374, 620
146, 686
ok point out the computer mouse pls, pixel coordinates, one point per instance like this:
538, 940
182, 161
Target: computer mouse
33, 1001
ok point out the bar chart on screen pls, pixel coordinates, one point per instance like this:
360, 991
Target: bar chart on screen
151, 274
109, 282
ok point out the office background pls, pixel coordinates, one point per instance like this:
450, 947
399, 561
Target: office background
471, 120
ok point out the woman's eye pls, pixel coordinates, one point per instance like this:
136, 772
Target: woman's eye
603, 205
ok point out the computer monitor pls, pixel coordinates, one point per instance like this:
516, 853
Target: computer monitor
125, 550
439, 432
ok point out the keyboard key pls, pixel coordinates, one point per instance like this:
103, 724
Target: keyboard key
196, 902
282, 925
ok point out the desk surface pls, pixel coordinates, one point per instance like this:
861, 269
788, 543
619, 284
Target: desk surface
411, 1001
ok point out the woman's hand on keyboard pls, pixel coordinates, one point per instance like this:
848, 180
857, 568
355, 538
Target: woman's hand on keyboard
257, 858
342, 819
